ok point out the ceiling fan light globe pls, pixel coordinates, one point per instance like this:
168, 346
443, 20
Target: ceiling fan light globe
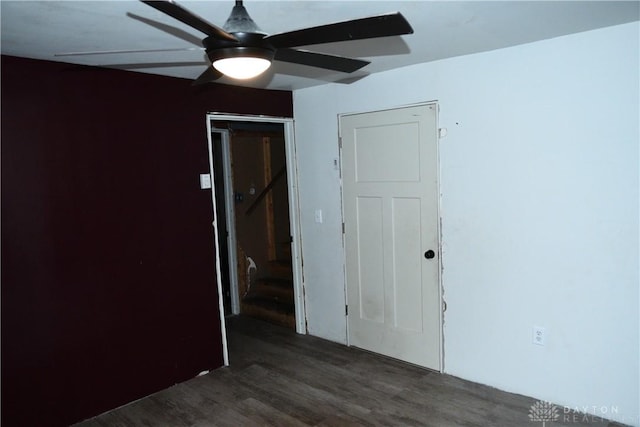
242, 67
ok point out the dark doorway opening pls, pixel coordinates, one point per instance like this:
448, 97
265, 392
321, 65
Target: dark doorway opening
261, 215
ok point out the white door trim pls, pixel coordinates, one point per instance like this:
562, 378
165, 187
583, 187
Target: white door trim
223, 326
294, 211
438, 210
230, 215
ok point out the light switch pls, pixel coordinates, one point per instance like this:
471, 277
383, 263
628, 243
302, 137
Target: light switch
205, 181
318, 216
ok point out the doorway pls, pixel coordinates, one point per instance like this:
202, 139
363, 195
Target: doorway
252, 162
392, 237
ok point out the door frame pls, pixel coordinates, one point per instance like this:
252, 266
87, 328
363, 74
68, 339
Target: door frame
442, 303
294, 212
230, 218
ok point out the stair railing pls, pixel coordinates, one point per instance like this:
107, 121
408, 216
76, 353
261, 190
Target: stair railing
266, 190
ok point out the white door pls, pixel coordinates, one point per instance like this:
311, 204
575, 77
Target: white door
390, 191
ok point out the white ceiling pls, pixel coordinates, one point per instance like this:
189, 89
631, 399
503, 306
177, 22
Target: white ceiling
442, 29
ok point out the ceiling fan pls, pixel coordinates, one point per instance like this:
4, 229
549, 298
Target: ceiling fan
241, 50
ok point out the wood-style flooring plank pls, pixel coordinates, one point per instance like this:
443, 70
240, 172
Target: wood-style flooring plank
279, 378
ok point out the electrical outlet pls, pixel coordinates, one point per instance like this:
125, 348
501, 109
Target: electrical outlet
538, 335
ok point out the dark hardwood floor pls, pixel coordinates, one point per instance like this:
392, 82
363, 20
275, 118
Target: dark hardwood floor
278, 378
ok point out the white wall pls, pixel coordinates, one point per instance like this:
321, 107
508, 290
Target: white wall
539, 181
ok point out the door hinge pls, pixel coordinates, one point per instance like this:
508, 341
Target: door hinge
343, 228
340, 142
346, 310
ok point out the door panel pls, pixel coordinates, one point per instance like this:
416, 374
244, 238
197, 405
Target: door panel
390, 191
370, 260
407, 278
376, 163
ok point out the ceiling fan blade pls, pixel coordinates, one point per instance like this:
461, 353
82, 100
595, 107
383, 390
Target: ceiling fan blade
391, 24
187, 36
209, 75
320, 60
147, 65
112, 52
178, 12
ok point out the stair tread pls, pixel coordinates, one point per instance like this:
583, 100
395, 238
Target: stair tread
270, 303
257, 295
276, 281
280, 268
281, 261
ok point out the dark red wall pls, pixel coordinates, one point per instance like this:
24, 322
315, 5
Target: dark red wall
108, 281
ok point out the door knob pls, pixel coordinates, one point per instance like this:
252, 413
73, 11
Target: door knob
429, 254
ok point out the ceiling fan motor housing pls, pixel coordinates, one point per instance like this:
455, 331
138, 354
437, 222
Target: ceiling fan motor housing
248, 44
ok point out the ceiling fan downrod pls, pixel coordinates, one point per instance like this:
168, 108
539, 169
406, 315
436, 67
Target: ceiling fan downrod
240, 22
